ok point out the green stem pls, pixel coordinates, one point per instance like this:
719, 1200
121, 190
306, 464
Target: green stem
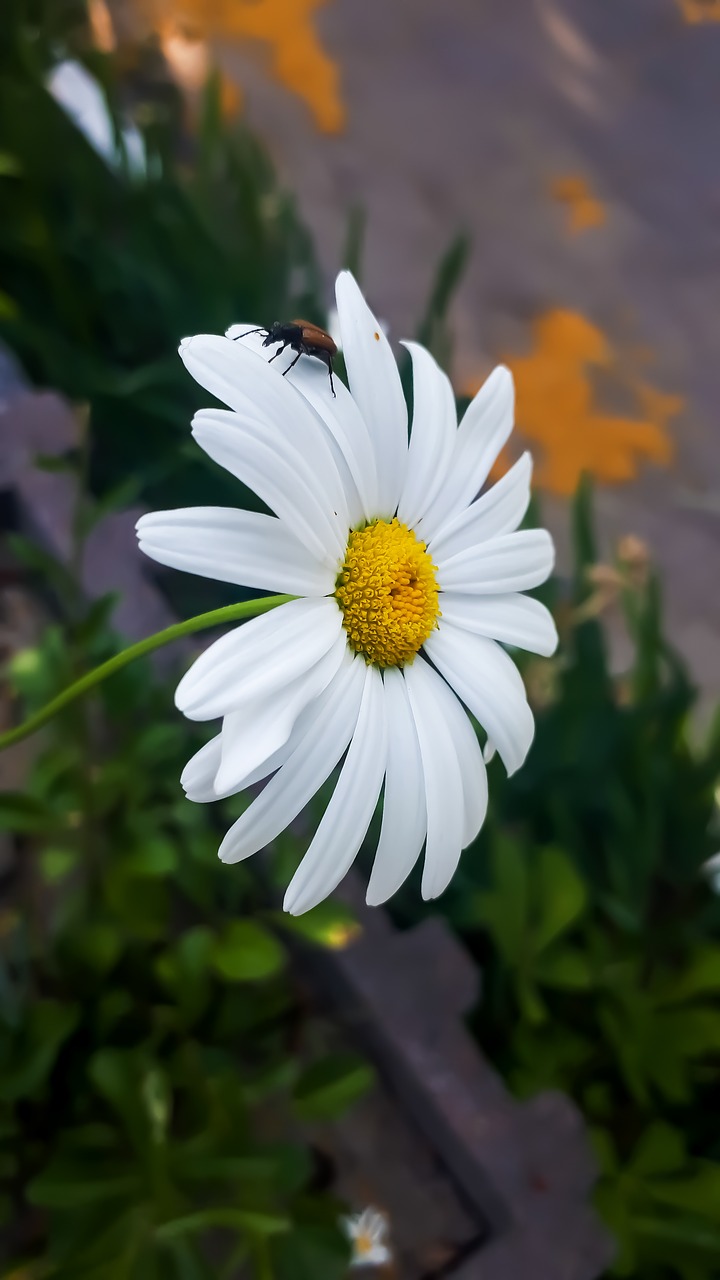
215, 618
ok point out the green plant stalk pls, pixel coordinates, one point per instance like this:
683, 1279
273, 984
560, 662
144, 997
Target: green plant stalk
215, 618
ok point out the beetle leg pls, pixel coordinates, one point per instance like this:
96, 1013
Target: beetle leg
327, 359
292, 362
279, 353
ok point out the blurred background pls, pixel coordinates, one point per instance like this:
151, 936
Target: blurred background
522, 1080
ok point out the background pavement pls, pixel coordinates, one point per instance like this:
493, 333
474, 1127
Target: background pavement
577, 142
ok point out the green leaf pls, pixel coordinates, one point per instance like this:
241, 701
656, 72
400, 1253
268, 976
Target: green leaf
10, 166
97, 944
687, 1231
258, 1224
311, 1252
246, 952
71, 1186
47, 1026
118, 1075
698, 1193
693, 1032
661, 1149
195, 950
701, 975
155, 857
227, 1168
567, 968
56, 864
329, 1087
19, 812
504, 907
562, 896
354, 240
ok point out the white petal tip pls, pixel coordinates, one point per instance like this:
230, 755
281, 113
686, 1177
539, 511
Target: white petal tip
244, 330
429, 893
295, 904
375, 899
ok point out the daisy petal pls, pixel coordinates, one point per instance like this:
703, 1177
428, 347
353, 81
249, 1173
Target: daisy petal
489, 683
470, 760
198, 775
514, 562
230, 545
497, 511
253, 734
376, 389
404, 821
443, 782
511, 618
321, 735
235, 376
339, 415
481, 435
263, 655
258, 454
347, 817
433, 435
347, 427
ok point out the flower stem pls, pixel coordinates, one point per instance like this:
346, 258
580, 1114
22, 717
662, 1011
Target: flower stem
215, 618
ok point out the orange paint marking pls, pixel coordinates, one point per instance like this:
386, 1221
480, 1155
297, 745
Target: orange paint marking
558, 407
298, 60
584, 210
695, 11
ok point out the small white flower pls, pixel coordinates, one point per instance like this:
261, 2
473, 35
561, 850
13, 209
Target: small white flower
409, 587
83, 101
367, 1232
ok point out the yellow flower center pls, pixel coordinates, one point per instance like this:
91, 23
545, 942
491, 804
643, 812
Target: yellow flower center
364, 1244
387, 592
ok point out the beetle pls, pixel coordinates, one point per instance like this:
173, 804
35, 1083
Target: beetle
302, 336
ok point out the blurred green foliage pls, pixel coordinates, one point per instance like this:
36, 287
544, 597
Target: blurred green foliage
149, 1072
598, 934
155, 1070
102, 272
154, 1073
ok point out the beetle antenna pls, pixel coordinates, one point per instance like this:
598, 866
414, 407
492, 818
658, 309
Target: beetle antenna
247, 333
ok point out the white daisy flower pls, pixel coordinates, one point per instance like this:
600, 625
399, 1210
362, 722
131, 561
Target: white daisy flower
84, 102
367, 1232
409, 586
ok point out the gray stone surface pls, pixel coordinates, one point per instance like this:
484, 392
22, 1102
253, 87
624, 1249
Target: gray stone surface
461, 114
41, 423
524, 1168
